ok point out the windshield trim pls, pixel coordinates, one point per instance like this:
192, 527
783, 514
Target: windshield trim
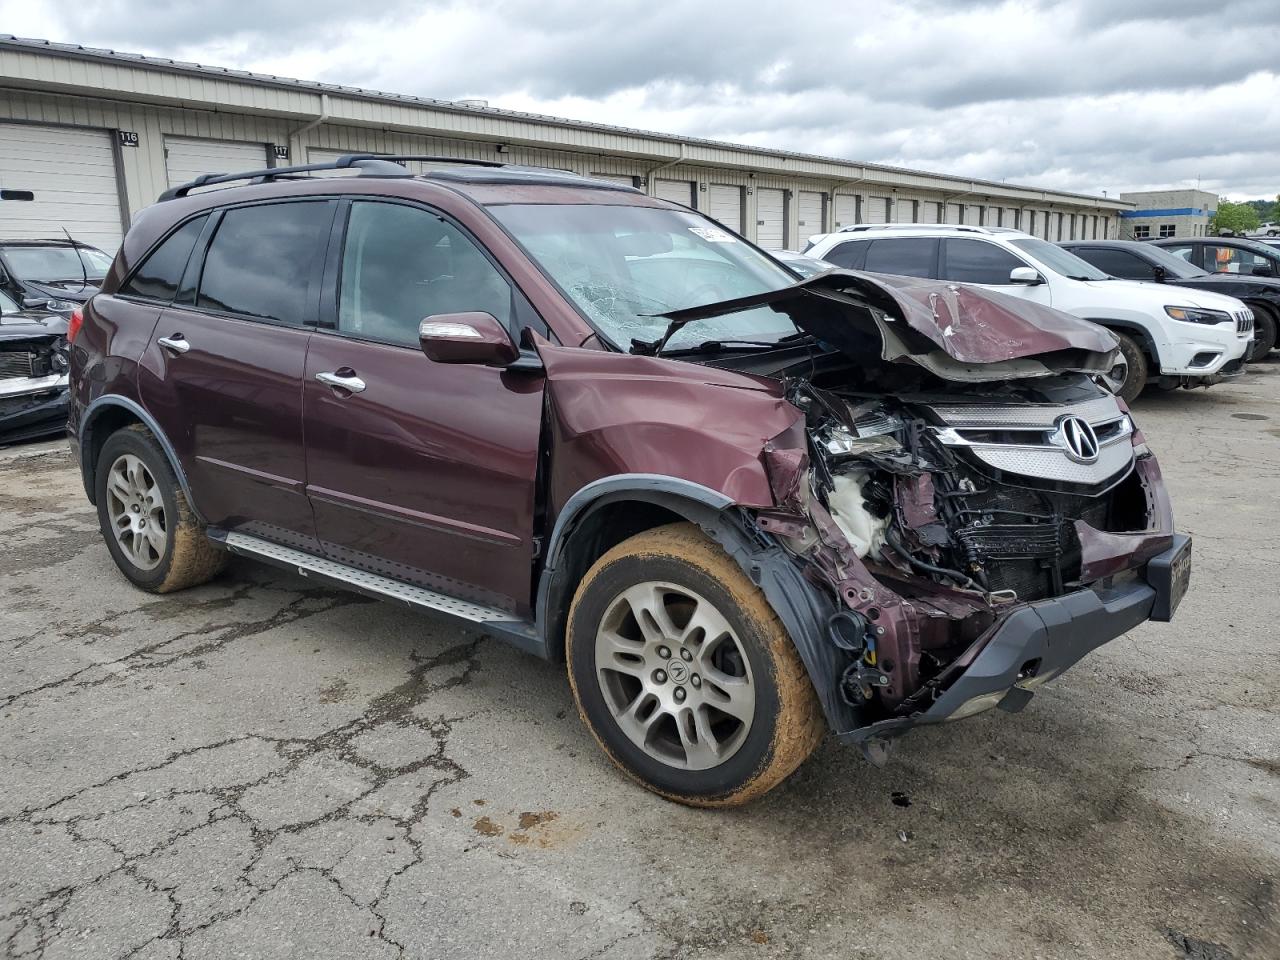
571, 302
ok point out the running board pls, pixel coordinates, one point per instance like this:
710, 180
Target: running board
500, 623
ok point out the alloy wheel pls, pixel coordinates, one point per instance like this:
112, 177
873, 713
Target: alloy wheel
674, 675
136, 510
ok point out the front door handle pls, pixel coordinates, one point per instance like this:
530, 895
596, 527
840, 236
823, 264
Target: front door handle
351, 384
177, 343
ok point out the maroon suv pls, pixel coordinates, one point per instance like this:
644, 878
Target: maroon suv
743, 508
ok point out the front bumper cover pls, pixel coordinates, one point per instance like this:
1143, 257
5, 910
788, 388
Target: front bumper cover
30, 416
1043, 639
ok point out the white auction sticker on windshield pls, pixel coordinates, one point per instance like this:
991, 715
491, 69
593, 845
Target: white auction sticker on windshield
713, 234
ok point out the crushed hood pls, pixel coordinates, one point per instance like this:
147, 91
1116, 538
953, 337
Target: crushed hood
956, 331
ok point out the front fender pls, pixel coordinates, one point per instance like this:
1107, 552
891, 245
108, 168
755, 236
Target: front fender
802, 607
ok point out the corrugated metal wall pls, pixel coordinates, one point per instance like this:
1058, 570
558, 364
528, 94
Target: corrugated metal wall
142, 172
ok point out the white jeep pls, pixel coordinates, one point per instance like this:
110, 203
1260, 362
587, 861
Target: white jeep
1170, 336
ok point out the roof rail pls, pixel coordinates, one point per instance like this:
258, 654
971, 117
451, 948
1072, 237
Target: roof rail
863, 227
367, 165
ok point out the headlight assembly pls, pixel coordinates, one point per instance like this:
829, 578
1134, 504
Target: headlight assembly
1198, 315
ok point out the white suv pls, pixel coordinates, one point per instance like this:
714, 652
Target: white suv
1170, 336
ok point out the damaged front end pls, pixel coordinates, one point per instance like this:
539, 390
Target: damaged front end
980, 522
33, 375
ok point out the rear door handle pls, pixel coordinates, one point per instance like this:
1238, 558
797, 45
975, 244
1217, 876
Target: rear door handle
352, 384
177, 343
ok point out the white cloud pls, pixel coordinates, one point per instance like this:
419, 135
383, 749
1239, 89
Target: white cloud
1089, 96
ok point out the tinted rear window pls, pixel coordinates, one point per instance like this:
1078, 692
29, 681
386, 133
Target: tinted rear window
976, 261
160, 273
904, 256
261, 260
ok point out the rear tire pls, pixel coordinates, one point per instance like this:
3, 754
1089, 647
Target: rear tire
665, 629
1136, 376
1264, 334
151, 531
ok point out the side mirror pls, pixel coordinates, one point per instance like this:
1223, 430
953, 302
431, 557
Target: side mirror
35, 303
467, 338
1264, 270
1159, 274
1025, 275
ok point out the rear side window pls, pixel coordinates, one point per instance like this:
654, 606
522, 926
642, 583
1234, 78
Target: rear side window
1118, 263
904, 256
160, 273
848, 254
976, 261
262, 258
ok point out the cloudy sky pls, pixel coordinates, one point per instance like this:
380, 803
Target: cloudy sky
1084, 95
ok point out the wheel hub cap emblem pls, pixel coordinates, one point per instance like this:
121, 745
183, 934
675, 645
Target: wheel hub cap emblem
678, 671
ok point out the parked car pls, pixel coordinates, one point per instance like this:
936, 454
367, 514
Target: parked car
1179, 338
801, 263
1132, 260
1267, 230
1237, 256
54, 275
741, 510
33, 373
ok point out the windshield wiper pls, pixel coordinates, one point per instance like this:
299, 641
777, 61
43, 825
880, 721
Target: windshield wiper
722, 346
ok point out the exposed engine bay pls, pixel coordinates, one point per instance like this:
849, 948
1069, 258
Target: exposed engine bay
931, 513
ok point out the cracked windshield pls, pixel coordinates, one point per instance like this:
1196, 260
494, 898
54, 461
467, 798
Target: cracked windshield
624, 267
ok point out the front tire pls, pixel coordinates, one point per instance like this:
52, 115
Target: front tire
1264, 334
685, 675
1136, 361
151, 531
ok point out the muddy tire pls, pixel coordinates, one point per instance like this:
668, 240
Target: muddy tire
1136, 361
1264, 334
685, 675
150, 529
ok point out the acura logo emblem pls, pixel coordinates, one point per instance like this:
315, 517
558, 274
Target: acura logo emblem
1077, 439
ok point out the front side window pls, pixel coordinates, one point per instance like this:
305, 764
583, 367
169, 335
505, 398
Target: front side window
976, 261
1235, 260
262, 258
1118, 263
161, 272
903, 256
403, 264
1187, 252
623, 267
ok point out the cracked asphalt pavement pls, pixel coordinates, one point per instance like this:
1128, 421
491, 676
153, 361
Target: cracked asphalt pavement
260, 768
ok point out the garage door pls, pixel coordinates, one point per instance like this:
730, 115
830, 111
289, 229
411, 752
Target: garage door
809, 213
72, 173
846, 210
677, 191
1009, 218
725, 204
955, 213
904, 210
770, 218
930, 211
972, 214
185, 158
875, 210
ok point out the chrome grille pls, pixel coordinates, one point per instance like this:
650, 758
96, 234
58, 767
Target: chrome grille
15, 364
1023, 439
1244, 322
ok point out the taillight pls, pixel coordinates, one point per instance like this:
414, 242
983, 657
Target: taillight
74, 324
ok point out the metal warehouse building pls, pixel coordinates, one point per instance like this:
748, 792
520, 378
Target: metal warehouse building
97, 135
